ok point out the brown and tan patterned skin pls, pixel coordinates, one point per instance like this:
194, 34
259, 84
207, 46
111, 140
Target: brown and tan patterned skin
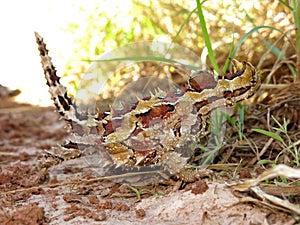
154, 130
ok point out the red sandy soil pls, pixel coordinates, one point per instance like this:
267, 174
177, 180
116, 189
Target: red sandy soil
27, 132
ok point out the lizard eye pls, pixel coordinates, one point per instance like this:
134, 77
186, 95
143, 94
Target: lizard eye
201, 80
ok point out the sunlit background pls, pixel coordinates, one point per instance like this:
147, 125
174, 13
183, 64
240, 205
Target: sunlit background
20, 62
76, 30
20, 67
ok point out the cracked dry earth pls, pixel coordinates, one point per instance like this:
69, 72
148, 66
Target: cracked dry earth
27, 132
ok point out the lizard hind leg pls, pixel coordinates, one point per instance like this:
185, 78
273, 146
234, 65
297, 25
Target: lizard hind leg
178, 167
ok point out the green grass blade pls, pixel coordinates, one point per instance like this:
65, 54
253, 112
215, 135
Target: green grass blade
286, 5
229, 56
142, 58
206, 37
181, 27
136, 191
296, 14
270, 134
264, 161
276, 51
271, 46
183, 24
229, 119
238, 45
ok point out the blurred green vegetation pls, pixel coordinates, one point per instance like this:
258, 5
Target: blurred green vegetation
109, 25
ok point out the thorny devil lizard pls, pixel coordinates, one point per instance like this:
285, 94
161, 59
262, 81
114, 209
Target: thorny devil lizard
153, 131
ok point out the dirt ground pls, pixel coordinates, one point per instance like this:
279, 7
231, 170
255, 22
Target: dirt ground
27, 132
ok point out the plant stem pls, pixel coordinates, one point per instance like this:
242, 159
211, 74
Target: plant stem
296, 14
206, 37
